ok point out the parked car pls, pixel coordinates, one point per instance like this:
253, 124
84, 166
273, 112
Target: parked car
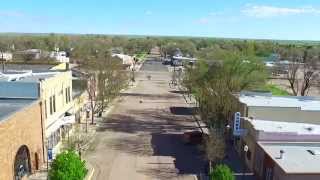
194, 137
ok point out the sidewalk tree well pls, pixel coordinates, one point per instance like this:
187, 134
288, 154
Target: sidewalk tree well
222, 172
66, 166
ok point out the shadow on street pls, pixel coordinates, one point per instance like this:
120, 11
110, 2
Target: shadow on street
186, 111
189, 159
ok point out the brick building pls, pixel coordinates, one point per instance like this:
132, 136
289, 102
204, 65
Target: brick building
21, 135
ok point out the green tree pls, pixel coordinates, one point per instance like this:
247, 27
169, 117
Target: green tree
66, 166
222, 172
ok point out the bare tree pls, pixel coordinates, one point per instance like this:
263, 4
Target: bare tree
215, 148
106, 80
3, 49
302, 69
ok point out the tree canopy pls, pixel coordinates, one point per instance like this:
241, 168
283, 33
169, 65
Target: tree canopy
66, 166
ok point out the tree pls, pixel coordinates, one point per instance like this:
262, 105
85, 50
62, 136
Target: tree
213, 84
67, 165
222, 172
3, 49
215, 148
302, 69
105, 81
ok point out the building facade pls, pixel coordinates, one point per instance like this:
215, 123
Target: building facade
280, 150
21, 135
7, 56
54, 90
278, 108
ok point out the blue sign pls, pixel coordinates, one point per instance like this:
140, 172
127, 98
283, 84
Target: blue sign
50, 154
237, 123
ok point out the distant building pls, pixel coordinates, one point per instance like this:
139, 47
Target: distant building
155, 52
7, 56
179, 60
31, 53
126, 59
60, 56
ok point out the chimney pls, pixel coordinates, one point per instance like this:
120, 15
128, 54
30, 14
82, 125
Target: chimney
281, 154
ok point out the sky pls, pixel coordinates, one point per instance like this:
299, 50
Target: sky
256, 19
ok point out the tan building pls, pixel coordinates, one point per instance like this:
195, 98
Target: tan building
54, 90
21, 135
280, 108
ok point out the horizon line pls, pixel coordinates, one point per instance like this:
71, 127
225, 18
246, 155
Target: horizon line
156, 35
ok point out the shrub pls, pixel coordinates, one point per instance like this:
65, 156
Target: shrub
222, 172
66, 166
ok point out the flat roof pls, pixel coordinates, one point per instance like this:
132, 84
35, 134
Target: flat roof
11, 106
302, 158
285, 127
36, 67
304, 103
26, 76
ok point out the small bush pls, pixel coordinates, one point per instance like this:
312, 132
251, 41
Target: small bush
66, 166
222, 172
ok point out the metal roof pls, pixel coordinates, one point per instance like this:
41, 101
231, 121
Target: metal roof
304, 103
297, 157
11, 106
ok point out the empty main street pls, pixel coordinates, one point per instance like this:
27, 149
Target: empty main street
141, 138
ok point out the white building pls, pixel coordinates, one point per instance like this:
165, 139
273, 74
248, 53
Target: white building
126, 59
34, 53
7, 56
60, 56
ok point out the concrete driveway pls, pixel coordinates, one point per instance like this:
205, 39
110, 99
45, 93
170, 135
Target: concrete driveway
142, 141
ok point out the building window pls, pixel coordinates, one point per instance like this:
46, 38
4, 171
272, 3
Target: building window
69, 90
54, 103
51, 110
68, 95
45, 109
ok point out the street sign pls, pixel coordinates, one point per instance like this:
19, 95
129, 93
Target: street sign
50, 154
236, 123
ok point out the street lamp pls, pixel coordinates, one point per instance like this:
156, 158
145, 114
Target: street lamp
245, 150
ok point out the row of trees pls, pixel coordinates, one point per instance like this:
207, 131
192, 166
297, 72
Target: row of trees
79, 45
106, 78
213, 83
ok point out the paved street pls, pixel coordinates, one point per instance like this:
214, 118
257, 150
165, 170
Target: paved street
142, 137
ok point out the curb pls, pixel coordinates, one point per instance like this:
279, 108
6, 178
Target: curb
91, 172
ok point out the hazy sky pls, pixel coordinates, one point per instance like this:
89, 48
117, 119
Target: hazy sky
273, 19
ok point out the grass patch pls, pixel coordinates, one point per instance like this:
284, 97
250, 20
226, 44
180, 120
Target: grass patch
141, 56
275, 90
